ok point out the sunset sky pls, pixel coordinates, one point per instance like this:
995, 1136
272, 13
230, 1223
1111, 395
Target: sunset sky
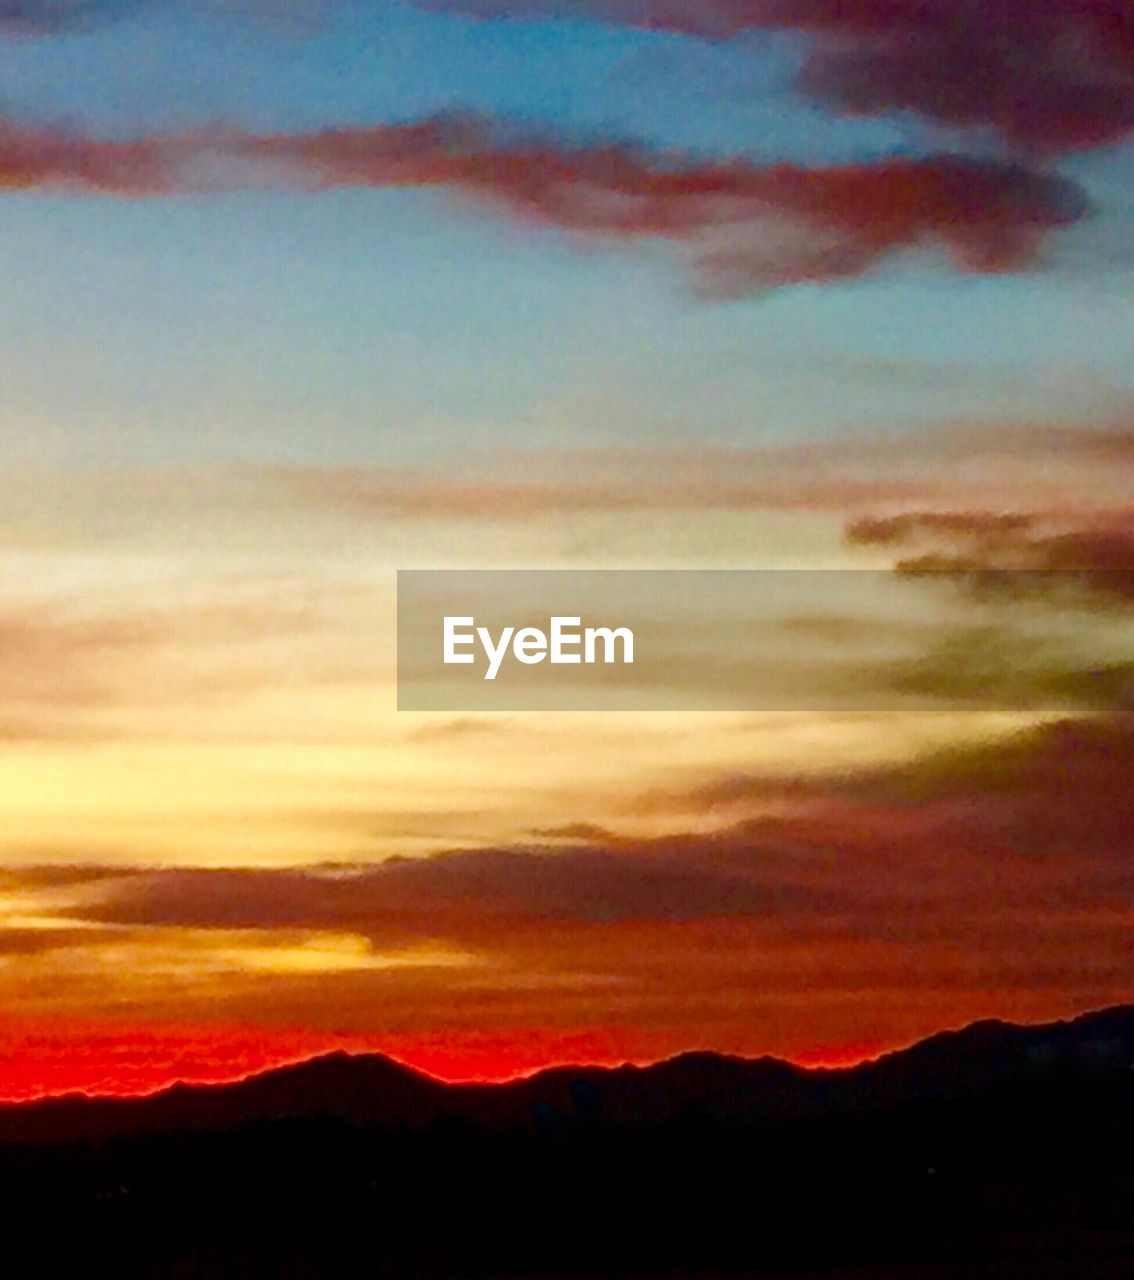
300, 294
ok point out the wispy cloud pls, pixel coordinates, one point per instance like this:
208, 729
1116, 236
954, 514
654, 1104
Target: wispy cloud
883, 484
1014, 471
34, 158
746, 226
749, 226
245, 638
1018, 555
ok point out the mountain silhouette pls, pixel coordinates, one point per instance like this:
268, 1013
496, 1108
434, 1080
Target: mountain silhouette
374, 1090
996, 1150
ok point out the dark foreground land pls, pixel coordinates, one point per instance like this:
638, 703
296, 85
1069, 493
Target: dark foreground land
998, 1151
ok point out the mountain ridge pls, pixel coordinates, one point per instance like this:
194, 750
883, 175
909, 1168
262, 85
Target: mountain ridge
375, 1090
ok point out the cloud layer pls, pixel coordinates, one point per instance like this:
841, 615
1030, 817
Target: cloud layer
881, 901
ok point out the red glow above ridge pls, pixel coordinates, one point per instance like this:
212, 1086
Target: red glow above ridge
45, 1058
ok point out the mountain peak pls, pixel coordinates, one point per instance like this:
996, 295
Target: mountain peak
374, 1090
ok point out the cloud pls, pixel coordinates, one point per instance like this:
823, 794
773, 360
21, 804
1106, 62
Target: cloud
746, 226
274, 649
900, 529
852, 848
1045, 75
20, 942
458, 730
1008, 794
56, 17
42, 18
909, 477
1048, 75
597, 483
478, 895
586, 832
986, 666
1015, 555
999, 468
68, 657
995, 877
1070, 571
50, 877
58, 159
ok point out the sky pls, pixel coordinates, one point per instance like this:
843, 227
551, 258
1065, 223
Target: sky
298, 295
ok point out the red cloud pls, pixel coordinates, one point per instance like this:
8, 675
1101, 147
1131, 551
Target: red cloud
33, 158
748, 226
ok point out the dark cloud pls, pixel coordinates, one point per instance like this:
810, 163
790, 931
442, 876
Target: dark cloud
902, 529
1055, 790
854, 849
55, 876
1013, 555
587, 832
986, 666
1046, 75
55, 17
470, 895
24, 943
1050, 75
994, 876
